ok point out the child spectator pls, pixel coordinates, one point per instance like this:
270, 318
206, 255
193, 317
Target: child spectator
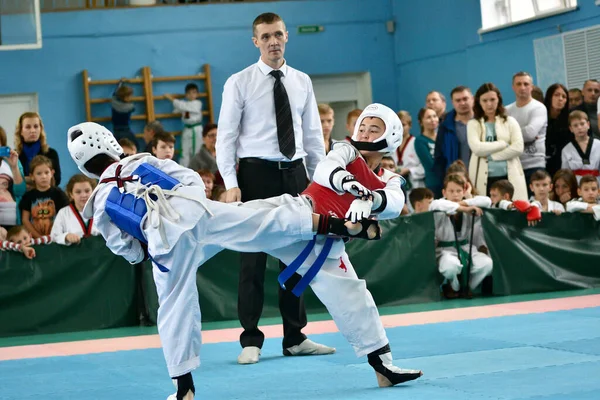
19, 239
163, 146
40, 205
452, 232
70, 226
459, 167
541, 186
151, 129
122, 108
191, 115
388, 163
209, 182
565, 186
30, 141
588, 197
420, 199
501, 194
129, 147
327, 121
582, 155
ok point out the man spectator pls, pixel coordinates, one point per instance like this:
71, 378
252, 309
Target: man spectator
270, 121
533, 120
451, 143
436, 101
591, 93
575, 98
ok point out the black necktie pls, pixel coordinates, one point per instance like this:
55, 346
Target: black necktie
283, 113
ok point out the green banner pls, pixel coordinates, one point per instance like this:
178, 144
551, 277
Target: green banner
86, 287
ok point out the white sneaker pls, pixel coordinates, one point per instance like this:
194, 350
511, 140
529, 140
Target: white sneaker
249, 355
188, 396
308, 348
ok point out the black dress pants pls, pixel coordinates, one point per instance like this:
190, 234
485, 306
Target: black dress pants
260, 179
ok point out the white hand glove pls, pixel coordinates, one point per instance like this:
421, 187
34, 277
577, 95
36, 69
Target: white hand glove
355, 188
359, 209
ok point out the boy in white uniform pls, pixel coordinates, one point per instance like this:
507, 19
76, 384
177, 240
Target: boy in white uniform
191, 116
452, 231
588, 202
350, 182
135, 207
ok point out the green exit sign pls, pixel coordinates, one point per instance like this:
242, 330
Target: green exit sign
310, 29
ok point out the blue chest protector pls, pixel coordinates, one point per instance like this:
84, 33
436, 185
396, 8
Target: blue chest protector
124, 209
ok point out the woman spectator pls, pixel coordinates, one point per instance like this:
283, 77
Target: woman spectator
557, 133
425, 145
12, 186
30, 141
205, 158
496, 143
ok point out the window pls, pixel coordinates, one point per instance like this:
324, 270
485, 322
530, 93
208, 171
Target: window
496, 14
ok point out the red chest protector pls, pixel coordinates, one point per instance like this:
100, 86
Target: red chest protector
326, 201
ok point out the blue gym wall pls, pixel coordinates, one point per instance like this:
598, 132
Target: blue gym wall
435, 46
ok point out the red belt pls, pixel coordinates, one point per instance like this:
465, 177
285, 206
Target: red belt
582, 172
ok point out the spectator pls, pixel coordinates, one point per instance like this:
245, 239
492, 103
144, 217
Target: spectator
533, 120
351, 122
501, 190
70, 226
582, 155
575, 98
452, 143
272, 140
406, 157
557, 133
40, 205
163, 146
209, 182
326, 115
541, 186
496, 144
191, 116
452, 234
591, 94
565, 186
537, 93
459, 167
588, 197
129, 147
30, 141
420, 199
437, 102
425, 145
150, 130
206, 157
19, 239
122, 108
12, 186
388, 163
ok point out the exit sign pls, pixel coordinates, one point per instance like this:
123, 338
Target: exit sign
310, 29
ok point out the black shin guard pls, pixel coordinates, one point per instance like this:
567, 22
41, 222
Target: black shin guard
185, 383
336, 226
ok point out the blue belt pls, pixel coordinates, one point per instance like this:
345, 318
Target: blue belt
291, 269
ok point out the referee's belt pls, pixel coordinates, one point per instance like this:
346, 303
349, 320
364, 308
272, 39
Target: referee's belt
273, 164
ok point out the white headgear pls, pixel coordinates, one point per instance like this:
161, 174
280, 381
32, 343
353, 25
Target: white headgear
391, 138
89, 139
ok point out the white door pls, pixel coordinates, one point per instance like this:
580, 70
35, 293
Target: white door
343, 93
11, 108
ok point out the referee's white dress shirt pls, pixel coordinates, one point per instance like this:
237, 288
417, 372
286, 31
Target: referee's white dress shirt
247, 123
